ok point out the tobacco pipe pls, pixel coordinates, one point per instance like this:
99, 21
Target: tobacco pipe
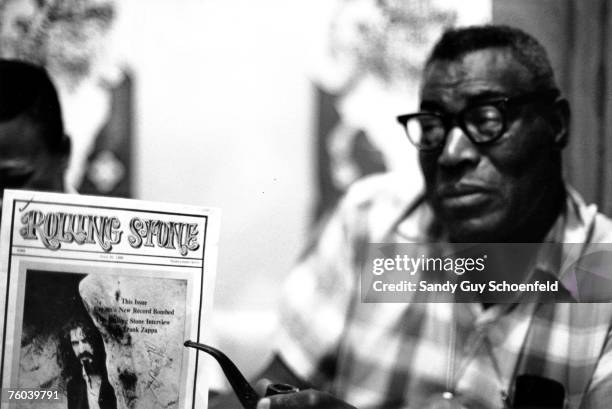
243, 390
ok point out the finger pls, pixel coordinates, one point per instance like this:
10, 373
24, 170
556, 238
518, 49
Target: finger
264, 403
261, 386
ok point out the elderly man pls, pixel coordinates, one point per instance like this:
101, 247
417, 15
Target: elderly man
490, 131
34, 150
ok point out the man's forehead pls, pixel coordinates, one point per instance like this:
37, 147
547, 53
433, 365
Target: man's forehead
77, 333
487, 70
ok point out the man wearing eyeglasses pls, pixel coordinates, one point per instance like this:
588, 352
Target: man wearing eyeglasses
490, 131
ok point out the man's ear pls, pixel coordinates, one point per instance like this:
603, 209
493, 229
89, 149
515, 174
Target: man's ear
561, 122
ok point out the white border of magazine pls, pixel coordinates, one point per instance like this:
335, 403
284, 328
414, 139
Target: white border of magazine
128, 259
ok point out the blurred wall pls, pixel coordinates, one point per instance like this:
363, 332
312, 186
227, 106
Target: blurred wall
223, 119
576, 35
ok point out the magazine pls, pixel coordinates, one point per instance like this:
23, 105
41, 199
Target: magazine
98, 296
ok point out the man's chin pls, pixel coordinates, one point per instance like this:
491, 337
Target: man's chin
479, 223
86, 361
476, 230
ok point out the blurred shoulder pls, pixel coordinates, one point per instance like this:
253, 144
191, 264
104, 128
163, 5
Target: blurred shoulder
392, 190
375, 204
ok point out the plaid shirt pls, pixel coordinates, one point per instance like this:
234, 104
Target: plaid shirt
400, 355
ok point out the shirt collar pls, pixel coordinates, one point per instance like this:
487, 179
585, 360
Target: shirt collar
570, 235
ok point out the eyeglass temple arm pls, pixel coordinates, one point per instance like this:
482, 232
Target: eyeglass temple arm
243, 390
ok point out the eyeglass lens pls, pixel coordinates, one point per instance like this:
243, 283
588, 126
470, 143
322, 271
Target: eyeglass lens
483, 123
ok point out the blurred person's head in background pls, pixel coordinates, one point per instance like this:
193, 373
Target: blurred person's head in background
34, 150
69, 37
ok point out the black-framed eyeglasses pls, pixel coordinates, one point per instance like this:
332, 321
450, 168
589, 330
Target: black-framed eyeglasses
483, 122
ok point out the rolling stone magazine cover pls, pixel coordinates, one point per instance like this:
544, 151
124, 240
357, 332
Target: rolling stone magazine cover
98, 296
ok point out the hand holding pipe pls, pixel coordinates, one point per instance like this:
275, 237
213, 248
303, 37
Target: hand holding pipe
243, 390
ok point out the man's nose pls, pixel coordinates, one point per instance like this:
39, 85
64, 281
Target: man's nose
458, 149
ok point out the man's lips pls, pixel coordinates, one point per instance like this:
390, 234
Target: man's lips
85, 356
463, 195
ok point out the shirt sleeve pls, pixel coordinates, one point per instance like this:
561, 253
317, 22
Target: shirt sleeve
599, 393
316, 302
